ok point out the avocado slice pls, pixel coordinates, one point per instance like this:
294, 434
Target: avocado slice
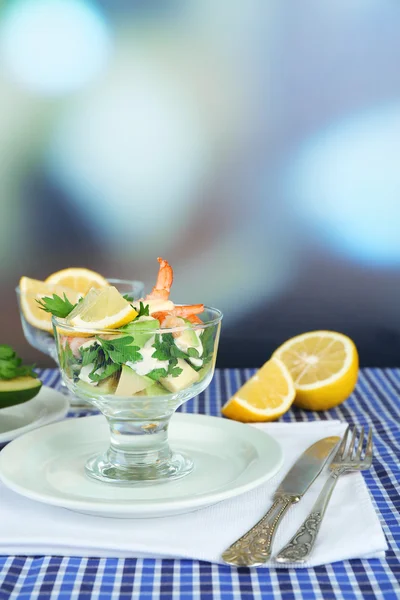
190, 339
131, 383
141, 329
106, 387
155, 390
18, 390
182, 381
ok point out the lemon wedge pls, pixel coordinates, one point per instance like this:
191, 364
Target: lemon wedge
324, 368
102, 309
79, 279
32, 290
265, 396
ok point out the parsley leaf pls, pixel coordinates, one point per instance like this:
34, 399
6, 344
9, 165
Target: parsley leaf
128, 297
166, 350
6, 351
105, 356
144, 310
56, 306
89, 354
207, 339
176, 352
68, 362
120, 350
109, 369
157, 374
162, 345
174, 371
11, 364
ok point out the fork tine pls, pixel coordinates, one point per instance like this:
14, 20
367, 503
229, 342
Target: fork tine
369, 448
352, 444
342, 448
360, 444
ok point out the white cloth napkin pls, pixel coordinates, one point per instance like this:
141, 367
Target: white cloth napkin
350, 529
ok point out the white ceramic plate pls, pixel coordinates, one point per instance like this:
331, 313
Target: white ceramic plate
230, 458
48, 406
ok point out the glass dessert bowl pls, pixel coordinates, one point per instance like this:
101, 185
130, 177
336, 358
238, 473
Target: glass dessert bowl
138, 375
39, 334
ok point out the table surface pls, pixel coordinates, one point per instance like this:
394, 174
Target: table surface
375, 403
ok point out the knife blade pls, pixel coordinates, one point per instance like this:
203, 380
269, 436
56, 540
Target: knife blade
307, 468
255, 546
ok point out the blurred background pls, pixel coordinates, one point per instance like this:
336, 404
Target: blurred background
255, 145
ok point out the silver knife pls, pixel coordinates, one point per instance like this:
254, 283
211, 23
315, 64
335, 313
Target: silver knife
254, 547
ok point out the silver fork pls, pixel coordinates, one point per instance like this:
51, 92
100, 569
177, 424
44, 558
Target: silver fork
302, 543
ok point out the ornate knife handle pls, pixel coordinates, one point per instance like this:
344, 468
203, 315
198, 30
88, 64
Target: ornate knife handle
254, 547
302, 543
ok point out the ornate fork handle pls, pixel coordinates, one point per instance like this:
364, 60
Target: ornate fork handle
302, 543
254, 547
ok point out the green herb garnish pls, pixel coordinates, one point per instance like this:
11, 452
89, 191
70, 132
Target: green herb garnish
109, 369
120, 350
107, 356
165, 349
157, 374
144, 310
128, 297
207, 340
56, 306
11, 364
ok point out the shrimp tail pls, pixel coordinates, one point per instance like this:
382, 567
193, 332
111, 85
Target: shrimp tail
164, 281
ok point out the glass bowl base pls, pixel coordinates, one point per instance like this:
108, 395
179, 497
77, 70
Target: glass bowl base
102, 469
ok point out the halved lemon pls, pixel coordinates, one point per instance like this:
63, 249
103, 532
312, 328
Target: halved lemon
102, 309
32, 290
265, 396
324, 368
79, 279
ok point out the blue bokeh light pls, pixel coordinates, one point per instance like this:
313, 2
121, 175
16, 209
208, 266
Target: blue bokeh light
344, 184
53, 47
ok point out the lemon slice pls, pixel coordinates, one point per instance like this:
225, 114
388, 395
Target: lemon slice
324, 368
102, 309
79, 279
264, 397
32, 290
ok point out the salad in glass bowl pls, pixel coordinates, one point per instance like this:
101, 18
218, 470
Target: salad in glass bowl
137, 362
73, 283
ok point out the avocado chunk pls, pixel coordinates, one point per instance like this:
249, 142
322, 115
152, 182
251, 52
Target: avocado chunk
18, 390
106, 387
131, 383
141, 329
182, 381
155, 390
187, 339
190, 339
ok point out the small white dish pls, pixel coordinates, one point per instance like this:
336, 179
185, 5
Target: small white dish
48, 406
230, 459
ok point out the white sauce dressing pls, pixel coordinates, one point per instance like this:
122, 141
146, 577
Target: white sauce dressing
148, 363
84, 373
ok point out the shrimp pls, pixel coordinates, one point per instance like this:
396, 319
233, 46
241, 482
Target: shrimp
168, 321
161, 292
164, 281
194, 319
180, 311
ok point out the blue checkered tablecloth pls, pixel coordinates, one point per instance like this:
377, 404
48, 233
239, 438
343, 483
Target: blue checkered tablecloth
375, 403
